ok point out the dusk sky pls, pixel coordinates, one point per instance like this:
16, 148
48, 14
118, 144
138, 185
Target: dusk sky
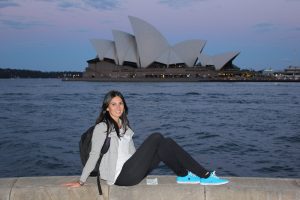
54, 35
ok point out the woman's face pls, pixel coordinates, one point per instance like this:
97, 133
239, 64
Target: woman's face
116, 108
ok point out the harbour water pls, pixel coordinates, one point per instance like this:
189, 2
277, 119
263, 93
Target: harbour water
237, 129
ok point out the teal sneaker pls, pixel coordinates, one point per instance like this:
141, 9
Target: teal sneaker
190, 178
213, 180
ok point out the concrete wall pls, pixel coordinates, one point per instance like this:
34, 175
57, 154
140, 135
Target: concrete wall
51, 188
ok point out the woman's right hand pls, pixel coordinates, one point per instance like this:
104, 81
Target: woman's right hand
72, 184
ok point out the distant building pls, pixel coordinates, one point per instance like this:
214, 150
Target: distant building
292, 72
148, 54
268, 72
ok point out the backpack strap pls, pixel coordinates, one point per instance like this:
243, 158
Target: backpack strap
104, 149
98, 178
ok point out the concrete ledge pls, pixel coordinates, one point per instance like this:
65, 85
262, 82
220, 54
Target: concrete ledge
256, 188
51, 188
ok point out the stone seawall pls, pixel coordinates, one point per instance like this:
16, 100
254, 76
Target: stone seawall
239, 188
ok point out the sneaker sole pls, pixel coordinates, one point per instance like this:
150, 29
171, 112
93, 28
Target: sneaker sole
179, 182
214, 183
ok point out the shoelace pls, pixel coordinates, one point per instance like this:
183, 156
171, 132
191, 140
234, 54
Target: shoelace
213, 174
193, 175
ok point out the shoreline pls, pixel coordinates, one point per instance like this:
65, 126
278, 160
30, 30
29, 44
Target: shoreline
158, 80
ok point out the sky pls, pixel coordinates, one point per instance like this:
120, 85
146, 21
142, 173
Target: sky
54, 35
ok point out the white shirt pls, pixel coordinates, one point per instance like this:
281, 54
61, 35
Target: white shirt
123, 153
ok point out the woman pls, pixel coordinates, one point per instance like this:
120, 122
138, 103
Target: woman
123, 165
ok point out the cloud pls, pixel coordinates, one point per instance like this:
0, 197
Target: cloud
7, 3
19, 25
84, 4
68, 5
297, 29
179, 3
103, 4
264, 27
79, 30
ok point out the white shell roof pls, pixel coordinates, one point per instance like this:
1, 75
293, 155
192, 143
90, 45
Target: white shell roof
189, 50
125, 46
105, 49
169, 57
205, 60
150, 43
221, 60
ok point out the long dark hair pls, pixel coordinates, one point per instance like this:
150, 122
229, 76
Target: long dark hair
104, 115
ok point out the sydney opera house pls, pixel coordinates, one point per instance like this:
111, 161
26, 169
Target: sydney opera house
147, 54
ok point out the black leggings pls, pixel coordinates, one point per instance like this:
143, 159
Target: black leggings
154, 149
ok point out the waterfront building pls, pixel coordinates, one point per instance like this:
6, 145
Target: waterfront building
292, 72
268, 72
147, 54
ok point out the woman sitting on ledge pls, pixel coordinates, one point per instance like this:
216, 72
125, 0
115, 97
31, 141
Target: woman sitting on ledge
123, 165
